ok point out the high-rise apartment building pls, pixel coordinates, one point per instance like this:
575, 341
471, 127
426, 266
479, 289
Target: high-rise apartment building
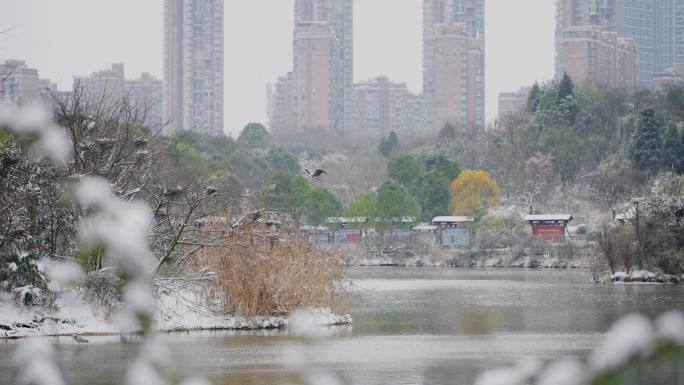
193, 65
656, 26
594, 57
147, 94
111, 87
316, 99
381, 106
511, 103
19, 84
574, 13
282, 120
453, 63
106, 85
337, 15
673, 76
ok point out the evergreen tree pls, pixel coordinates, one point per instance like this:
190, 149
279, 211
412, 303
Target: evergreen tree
533, 98
440, 163
321, 204
673, 149
433, 195
388, 144
646, 151
447, 134
395, 202
406, 170
566, 87
254, 135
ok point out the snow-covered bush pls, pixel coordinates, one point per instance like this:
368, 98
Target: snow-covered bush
120, 229
25, 278
103, 289
35, 222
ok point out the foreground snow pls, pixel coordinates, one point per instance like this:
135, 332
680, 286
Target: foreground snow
175, 312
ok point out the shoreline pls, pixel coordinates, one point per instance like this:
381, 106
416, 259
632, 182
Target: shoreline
71, 315
345, 320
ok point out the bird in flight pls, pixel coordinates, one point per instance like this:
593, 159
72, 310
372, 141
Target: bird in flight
316, 174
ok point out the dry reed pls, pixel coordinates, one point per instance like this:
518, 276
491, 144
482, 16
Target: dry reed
255, 275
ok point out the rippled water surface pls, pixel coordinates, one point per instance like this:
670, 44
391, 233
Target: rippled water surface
411, 326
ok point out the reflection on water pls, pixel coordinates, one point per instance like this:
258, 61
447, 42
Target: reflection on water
411, 326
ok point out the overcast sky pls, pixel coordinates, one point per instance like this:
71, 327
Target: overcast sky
63, 38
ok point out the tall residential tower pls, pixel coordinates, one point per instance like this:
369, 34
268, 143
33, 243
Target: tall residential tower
338, 17
193, 65
453, 63
655, 26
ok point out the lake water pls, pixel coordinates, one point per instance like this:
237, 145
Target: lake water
411, 326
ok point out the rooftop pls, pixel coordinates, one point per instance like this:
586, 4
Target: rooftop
548, 217
453, 219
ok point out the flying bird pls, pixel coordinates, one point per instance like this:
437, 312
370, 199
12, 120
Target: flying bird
316, 174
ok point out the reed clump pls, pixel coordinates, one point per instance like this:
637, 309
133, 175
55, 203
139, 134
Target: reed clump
253, 275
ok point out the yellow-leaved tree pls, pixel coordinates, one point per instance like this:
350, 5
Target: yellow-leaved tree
473, 193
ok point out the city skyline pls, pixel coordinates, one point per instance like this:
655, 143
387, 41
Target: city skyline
399, 43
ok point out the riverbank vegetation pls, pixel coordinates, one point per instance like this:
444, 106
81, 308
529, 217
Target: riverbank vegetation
613, 158
187, 180
263, 276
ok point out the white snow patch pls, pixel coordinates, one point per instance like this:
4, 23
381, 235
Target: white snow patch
629, 337
54, 142
196, 381
323, 378
31, 118
175, 310
34, 119
124, 227
35, 361
307, 323
13, 267
23, 291
70, 316
563, 372
517, 375
142, 373
62, 274
671, 325
138, 297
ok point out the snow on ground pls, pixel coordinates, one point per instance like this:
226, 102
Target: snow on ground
642, 276
70, 316
175, 311
182, 310
454, 261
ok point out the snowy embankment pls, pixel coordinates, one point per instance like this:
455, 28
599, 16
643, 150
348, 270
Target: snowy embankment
642, 276
494, 262
175, 312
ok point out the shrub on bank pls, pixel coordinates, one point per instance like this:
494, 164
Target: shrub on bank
252, 275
